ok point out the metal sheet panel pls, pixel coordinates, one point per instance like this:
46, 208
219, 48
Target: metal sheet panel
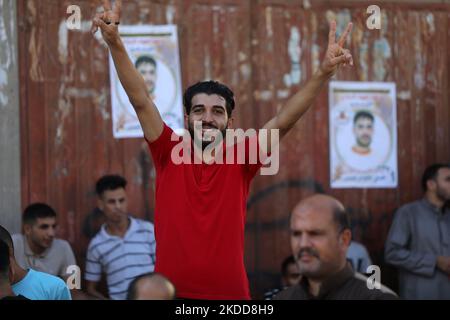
66, 130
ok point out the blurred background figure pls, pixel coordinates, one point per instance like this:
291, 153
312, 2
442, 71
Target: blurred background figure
359, 257
38, 248
289, 277
124, 248
418, 242
151, 286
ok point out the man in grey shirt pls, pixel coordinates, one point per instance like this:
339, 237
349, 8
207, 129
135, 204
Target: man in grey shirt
419, 240
38, 248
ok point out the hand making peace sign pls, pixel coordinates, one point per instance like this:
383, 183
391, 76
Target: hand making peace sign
108, 21
336, 55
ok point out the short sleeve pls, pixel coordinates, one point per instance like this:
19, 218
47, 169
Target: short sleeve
64, 293
254, 160
161, 148
69, 259
93, 265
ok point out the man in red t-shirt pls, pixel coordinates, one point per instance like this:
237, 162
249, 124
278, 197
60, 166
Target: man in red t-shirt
200, 202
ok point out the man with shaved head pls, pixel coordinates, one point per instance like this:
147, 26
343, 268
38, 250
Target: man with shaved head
151, 286
320, 237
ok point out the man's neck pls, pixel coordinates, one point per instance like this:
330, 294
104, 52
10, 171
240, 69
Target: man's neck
434, 200
119, 228
316, 284
37, 250
19, 273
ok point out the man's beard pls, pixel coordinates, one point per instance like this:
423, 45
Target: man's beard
441, 195
364, 143
311, 252
205, 143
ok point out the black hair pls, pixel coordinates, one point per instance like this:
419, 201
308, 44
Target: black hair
132, 287
431, 173
4, 260
144, 59
209, 87
37, 210
341, 218
110, 182
285, 264
363, 114
5, 236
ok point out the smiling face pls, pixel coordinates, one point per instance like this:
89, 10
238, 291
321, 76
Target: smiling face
209, 111
318, 246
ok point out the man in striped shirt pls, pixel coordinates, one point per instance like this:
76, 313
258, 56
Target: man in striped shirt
124, 248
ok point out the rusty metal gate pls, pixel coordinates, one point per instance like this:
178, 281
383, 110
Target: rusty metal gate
66, 134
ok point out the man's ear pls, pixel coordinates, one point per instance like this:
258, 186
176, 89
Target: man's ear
27, 228
230, 123
100, 204
345, 238
186, 120
11, 272
431, 185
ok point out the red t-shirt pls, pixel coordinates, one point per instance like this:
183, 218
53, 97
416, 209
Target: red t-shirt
199, 223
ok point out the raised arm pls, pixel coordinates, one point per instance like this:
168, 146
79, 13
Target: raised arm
132, 81
298, 104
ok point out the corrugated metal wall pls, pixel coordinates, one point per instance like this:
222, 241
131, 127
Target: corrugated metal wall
66, 129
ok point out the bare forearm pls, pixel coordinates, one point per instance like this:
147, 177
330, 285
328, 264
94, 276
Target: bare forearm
131, 80
298, 104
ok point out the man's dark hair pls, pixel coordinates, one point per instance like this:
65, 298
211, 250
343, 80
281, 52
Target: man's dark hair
37, 210
285, 264
133, 286
209, 87
431, 173
144, 59
5, 236
109, 183
363, 114
4, 260
341, 218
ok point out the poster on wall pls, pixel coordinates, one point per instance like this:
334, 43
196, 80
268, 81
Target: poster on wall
363, 135
154, 51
